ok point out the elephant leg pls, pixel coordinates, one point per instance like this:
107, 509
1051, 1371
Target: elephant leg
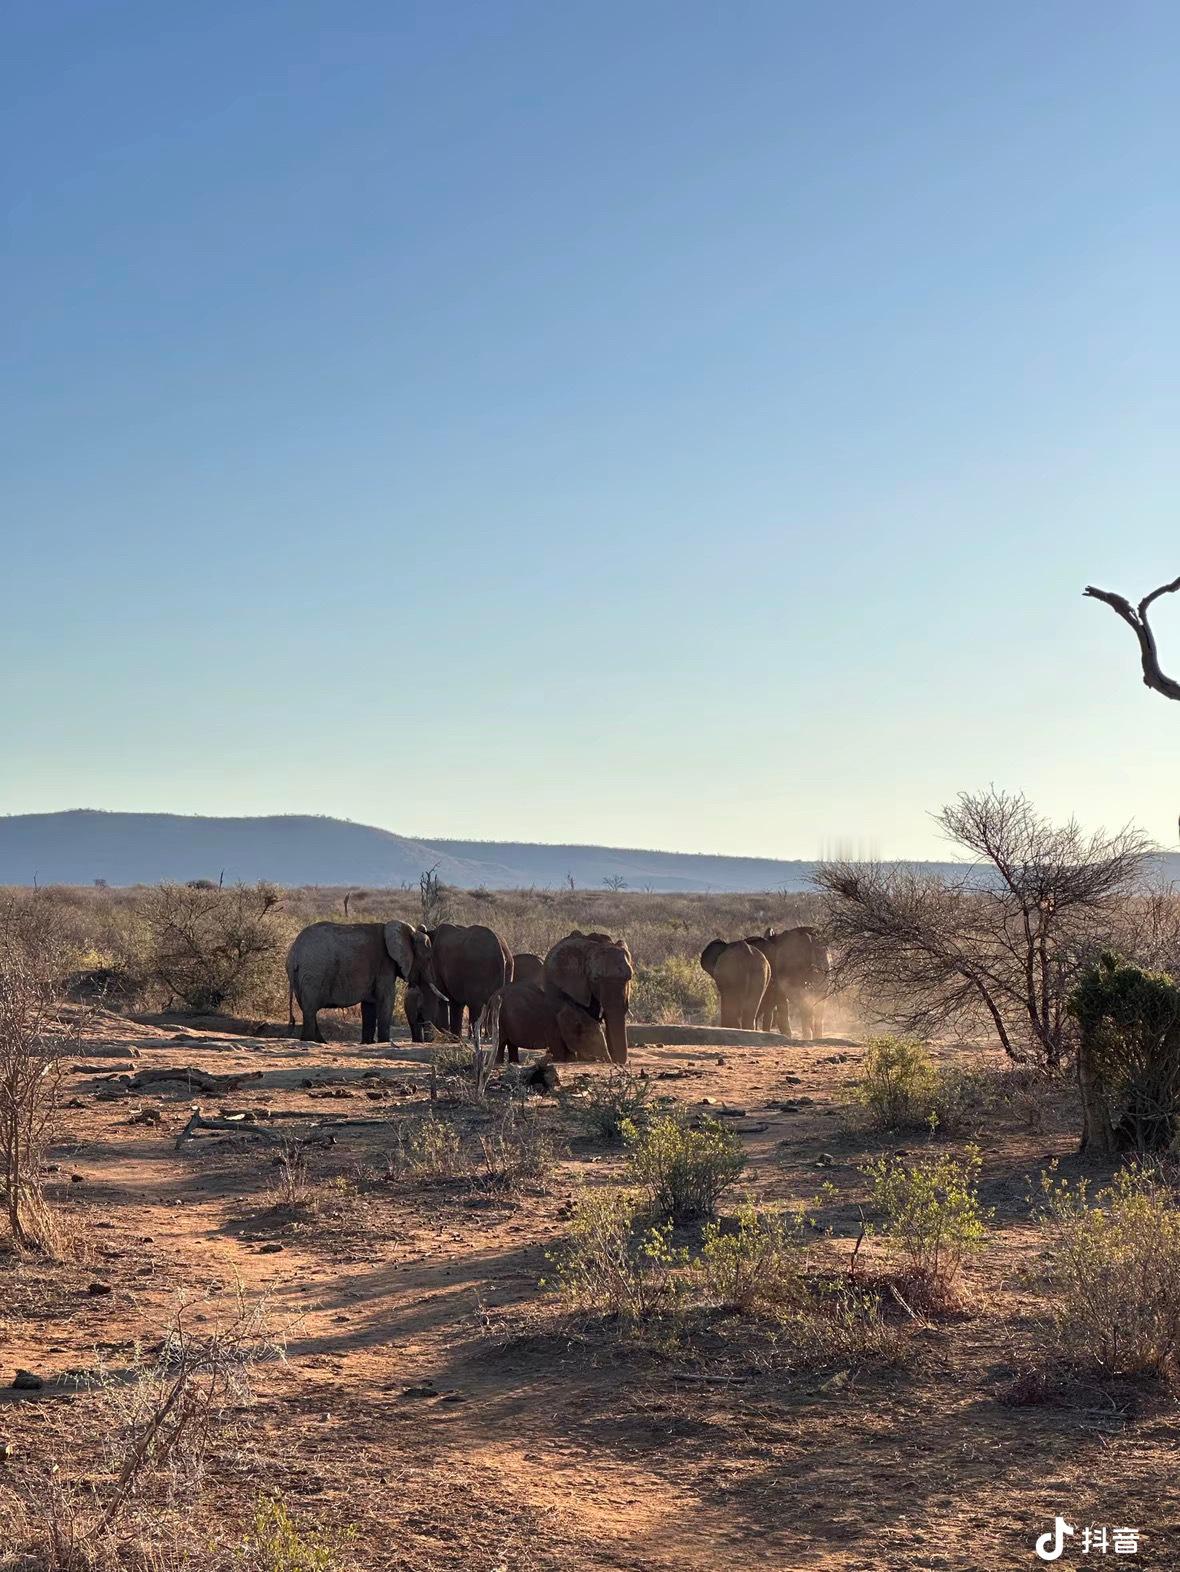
729, 1016
385, 1020
455, 1018
311, 1026
368, 1020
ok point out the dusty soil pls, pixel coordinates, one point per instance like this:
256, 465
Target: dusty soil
433, 1399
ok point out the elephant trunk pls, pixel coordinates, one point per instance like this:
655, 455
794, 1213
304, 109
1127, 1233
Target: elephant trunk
614, 1020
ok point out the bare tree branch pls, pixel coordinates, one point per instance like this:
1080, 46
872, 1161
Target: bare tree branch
1136, 618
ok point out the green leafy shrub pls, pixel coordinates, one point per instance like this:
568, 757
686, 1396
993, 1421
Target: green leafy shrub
901, 1088
931, 1211
758, 1262
1114, 1272
675, 989
612, 1264
896, 1088
684, 1168
1129, 1057
612, 1102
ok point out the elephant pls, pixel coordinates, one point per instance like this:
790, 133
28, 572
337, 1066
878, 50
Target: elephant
529, 1018
527, 967
594, 971
425, 1012
335, 964
742, 975
470, 964
800, 966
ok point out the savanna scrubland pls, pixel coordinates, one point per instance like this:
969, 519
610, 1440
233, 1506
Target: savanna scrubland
897, 1297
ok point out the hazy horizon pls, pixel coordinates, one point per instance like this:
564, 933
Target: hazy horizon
659, 427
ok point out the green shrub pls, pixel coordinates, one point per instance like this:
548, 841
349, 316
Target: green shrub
758, 1262
902, 1089
931, 1211
611, 1264
684, 1169
1129, 1057
1114, 1273
612, 1102
277, 1544
896, 1089
675, 989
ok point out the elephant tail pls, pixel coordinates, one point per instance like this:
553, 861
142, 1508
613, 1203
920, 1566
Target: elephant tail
291, 1004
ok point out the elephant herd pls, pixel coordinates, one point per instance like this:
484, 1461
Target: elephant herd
573, 1004
768, 981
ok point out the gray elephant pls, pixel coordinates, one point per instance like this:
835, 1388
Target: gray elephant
333, 965
800, 970
529, 1018
593, 971
742, 975
469, 965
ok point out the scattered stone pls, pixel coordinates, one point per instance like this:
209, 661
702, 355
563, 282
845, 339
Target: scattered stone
824, 1160
26, 1381
426, 1390
271, 1247
146, 1116
97, 1289
731, 1113
77, 1178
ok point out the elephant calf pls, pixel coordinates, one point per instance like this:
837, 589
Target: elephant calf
531, 1019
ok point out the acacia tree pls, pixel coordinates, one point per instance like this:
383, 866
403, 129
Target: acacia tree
996, 947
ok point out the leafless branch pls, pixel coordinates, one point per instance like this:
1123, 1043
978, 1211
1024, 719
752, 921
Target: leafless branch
1136, 618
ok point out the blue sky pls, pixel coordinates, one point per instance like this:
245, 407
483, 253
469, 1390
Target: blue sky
658, 424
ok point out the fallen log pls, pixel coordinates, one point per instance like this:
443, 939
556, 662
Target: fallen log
195, 1079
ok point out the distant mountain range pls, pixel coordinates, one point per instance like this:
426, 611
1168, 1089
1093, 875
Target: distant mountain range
142, 848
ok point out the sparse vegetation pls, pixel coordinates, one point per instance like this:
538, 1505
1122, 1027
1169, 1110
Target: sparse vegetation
757, 1259
931, 1213
277, 1543
30, 1086
1114, 1272
683, 1168
613, 1102
616, 1263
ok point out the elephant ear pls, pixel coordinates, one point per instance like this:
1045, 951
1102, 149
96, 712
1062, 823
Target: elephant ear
710, 953
399, 941
566, 969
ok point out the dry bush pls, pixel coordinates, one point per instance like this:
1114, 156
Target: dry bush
611, 1103
1114, 1272
162, 1423
214, 948
30, 1084
901, 1088
518, 1149
997, 948
427, 1148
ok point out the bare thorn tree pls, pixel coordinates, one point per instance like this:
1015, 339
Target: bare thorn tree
30, 1082
1136, 618
997, 946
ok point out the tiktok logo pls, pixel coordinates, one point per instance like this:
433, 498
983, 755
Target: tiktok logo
1051, 1546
